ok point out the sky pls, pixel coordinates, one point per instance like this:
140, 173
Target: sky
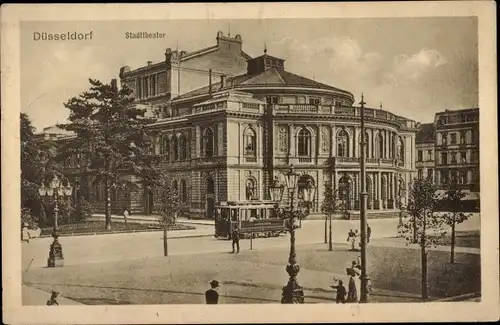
415, 67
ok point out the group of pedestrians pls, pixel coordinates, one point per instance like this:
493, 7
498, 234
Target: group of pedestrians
353, 238
350, 295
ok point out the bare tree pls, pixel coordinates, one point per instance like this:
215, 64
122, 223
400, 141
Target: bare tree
330, 205
423, 221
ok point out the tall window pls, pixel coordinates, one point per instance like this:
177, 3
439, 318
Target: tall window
175, 186
429, 155
380, 146
420, 173
473, 156
314, 101
462, 137
463, 157
453, 157
250, 142
430, 173
272, 100
183, 191
342, 144
419, 155
453, 138
304, 142
175, 148
445, 177
462, 177
166, 147
444, 158
153, 85
182, 147
208, 143
146, 87
445, 139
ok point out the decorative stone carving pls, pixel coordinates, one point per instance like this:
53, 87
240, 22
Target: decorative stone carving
282, 139
325, 139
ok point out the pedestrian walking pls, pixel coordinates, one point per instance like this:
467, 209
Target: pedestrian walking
53, 299
25, 233
351, 238
357, 241
125, 215
235, 236
211, 295
341, 291
368, 233
352, 293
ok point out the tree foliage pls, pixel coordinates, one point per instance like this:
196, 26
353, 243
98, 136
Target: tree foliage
111, 137
452, 199
38, 163
422, 217
331, 203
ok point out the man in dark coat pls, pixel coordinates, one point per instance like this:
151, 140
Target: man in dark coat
235, 236
341, 292
53, 299
211, 295
368, 233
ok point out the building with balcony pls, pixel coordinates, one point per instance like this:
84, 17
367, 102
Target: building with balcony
225, 134
453, 142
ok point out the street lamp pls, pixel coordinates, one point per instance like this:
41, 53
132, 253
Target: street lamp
55, 189
292, 292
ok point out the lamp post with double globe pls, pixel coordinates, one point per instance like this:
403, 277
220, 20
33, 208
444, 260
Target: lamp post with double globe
292, 292
55, 189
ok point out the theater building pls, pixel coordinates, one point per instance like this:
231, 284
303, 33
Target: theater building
227, 124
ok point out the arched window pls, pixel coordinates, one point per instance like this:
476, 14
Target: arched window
401, 149
182, 147
183, 191
166, 148
304, 142
208, 142
342, 144
379, 146
175, 148
250, 142
346, 189
175, 186
210, 186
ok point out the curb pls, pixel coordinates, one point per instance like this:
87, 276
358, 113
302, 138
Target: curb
125, 232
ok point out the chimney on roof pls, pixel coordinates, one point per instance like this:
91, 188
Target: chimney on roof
150, 62
222, 81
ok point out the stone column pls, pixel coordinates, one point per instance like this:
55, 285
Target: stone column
198, 142
291, 141
220, 139
333, 141
379, 190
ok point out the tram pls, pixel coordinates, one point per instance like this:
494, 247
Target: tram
250, 218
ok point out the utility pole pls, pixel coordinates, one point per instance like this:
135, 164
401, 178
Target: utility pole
364, 276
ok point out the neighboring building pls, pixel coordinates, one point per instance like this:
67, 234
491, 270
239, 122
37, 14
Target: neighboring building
425, 143
228, 139
454, 137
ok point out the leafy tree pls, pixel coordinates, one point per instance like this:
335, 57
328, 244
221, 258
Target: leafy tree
330, 205
37, 163
170, 206
423, 219
110, 135
453, 199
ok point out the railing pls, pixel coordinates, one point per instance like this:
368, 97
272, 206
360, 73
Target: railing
345, 110
251, 159
305, 159
346, 159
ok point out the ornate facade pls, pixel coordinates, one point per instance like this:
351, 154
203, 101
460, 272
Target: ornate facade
228, 137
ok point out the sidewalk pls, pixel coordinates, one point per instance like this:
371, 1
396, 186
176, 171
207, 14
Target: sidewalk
400, 243
36, 297
151, 219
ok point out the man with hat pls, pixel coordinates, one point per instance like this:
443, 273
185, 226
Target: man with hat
211, 295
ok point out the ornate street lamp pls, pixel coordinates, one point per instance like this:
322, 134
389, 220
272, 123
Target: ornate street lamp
55, 189
292, 292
